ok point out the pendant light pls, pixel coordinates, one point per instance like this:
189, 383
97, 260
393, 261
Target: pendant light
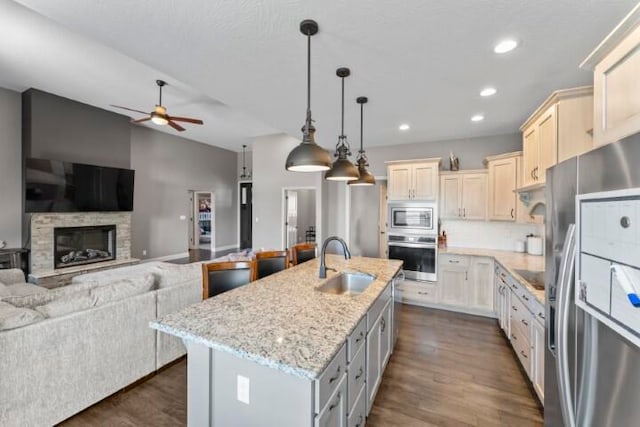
244, 174
366, 178
308, 156
342, 169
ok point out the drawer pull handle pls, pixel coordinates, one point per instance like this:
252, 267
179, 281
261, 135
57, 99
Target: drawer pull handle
512, 216
513, 337
523, 354
360, 420
541, 315
332, 379
453, 261
334, 405
423, 293
525, 297
525, 322
383, 324
514, 286
360, 336
514, 308
360, 373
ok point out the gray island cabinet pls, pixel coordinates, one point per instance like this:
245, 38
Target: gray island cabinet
279, 352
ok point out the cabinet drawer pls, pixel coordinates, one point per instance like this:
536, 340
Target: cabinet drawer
355, 377
358, 414
377, 306
356, 339
538, 311
520, 317
330, 378
454, 260
419, 292
334, 412
522, 346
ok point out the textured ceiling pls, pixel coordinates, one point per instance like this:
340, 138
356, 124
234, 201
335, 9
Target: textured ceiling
419, 61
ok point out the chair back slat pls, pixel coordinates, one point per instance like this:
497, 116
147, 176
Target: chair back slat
219, 277
270, 262
303, 252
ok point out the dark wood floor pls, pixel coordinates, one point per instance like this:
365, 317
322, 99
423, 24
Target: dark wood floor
448, 369
196, 255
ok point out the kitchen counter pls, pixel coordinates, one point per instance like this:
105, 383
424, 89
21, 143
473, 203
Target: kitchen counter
283, 321
511, 261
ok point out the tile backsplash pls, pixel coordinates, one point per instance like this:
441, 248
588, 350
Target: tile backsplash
487, 235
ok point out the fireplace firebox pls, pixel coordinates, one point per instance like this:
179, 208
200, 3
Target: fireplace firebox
83, 245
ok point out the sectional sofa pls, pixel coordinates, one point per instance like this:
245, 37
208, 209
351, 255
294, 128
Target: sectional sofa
65, 349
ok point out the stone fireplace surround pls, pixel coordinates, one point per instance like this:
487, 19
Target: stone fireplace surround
42, 260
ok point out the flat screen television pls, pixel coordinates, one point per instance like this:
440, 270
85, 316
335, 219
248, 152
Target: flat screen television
56, 186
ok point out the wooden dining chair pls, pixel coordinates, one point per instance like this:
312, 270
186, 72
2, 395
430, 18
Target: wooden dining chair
303, 252
219, 277
269, 262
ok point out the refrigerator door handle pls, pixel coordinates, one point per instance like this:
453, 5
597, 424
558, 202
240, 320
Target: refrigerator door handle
567, 267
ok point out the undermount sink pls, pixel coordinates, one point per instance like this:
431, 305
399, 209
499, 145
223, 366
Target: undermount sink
347, 284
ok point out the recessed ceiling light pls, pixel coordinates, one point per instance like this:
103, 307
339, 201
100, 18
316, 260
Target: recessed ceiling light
477, 118
505, 46
404, 126
488, 91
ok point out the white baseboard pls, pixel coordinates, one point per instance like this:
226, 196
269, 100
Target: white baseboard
167, 257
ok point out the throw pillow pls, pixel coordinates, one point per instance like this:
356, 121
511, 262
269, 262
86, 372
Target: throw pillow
121, 289
3, 290
13, 317
26, 295
66, 304
169, 275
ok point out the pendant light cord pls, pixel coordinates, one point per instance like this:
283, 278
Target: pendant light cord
342, 129
308, 71
361, 126
160, 103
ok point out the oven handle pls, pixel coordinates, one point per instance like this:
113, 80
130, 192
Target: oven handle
413, 245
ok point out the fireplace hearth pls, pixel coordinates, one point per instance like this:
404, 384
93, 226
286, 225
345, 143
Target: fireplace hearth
84, 245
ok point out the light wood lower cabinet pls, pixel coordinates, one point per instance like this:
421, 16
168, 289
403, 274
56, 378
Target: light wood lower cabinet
481, 295
537, 354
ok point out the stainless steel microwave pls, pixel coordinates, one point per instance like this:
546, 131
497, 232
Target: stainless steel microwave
412, 218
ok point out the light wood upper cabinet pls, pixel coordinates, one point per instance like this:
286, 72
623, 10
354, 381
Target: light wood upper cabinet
413, 180
557, 130
463, 195
616, 80
503, 180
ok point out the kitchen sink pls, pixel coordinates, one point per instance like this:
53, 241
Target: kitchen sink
535, 278
347, 284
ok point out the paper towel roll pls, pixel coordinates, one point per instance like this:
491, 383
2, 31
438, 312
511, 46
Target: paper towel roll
534, 245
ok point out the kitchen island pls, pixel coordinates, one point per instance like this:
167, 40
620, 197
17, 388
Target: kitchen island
281, 352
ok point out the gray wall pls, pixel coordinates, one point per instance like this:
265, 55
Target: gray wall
363, 221
61, 129
167, 167
470, 151
269, 179
10, 168
306, 212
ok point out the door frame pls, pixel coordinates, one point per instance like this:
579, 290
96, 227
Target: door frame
283, 213
347, 209
243, 181
193, 194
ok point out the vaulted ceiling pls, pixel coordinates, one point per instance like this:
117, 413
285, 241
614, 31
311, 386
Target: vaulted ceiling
240, 64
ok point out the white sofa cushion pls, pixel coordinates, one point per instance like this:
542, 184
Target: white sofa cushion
66, 304
3, 290
11, 276
108, 276
121, 289
27, 295
170, 275
13, 317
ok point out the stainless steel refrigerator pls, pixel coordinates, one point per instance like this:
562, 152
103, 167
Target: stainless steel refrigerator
597, 381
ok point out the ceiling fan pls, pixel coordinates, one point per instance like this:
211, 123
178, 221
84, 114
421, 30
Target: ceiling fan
159, 115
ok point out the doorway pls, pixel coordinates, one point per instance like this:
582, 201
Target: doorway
368, 219
201, 220
299, 207
245, 219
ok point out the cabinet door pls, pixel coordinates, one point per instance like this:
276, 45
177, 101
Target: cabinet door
373, 363
538, 344
474, 196
386, 325
454, 285
399, 182
481, 289
450, 196
547, 143
502, 183
335, 413
529, 155
425, 181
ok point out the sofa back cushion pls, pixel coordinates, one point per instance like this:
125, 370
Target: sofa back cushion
26, 295
11, 276
14, 317
170, 275
122, 288
63, 305
3, 290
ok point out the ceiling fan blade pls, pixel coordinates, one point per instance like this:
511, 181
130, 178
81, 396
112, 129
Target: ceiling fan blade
175, 126
186, 119
130, 109
144, 119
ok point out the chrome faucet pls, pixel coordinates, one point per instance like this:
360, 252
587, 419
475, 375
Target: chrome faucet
323, 266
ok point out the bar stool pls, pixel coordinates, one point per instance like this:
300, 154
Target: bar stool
270, 262
303, 252
219, 277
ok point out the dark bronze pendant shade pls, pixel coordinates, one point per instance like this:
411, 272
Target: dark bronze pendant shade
366, 178
308, 156
342, 169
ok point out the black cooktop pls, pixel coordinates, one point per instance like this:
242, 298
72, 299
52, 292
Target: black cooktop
535, 278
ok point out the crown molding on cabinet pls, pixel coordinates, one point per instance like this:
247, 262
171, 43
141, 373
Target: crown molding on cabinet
554, 98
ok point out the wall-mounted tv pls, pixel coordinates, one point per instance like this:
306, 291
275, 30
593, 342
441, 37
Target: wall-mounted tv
55, 186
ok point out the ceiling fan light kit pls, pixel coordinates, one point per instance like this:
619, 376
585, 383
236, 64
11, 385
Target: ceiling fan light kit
308, 156
159, 115
366, 178
342, 169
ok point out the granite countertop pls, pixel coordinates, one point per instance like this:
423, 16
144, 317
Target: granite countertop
282, 321
511, 261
